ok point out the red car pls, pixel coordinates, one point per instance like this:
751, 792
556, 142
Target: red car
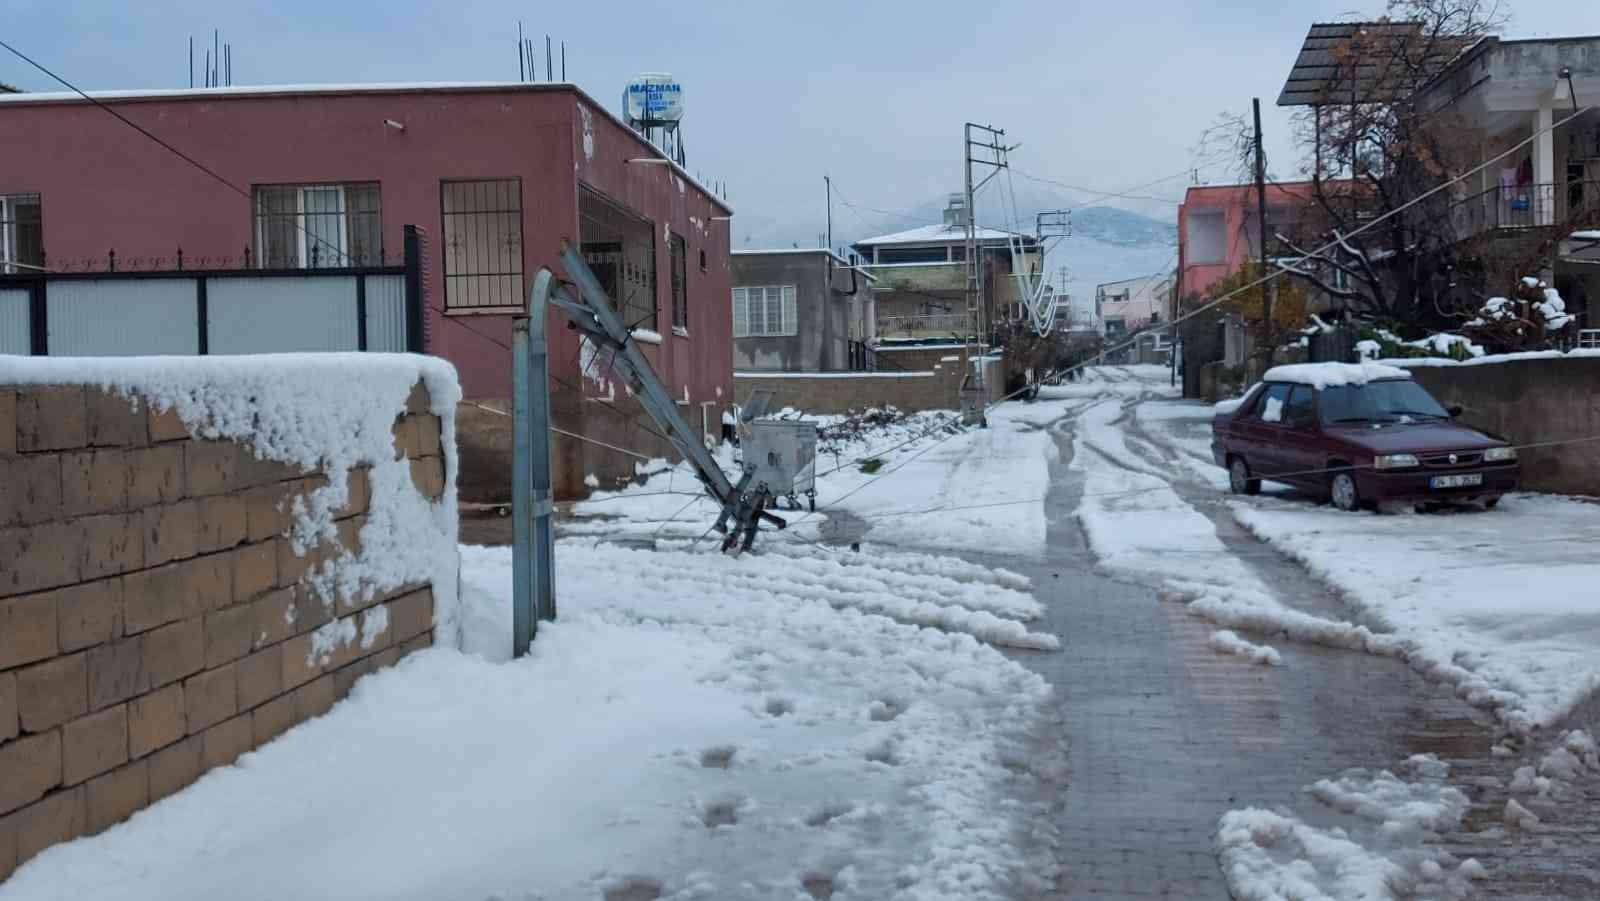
1361, 435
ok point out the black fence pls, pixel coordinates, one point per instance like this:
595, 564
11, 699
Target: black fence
864, 359
135, 306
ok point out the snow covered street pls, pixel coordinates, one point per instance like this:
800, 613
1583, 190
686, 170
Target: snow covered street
1049, 659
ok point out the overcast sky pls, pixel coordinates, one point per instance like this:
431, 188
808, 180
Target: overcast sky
1103, 95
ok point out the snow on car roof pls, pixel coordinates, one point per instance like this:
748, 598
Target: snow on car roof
1327, 375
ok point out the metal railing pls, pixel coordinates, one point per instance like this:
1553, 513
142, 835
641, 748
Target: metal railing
1523, 207
931, 324
863, 358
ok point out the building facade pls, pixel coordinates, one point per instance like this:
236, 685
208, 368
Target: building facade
498, 176
922, 275
800, 311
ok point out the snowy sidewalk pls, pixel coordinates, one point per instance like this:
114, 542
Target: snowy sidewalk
694, 726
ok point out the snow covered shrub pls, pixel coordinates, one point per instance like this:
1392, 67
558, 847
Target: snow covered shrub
1534, 317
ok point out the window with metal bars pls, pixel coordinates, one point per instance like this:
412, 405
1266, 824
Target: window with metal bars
323, 226
21, 234
680, 283
620, 248
482, 225
765, 311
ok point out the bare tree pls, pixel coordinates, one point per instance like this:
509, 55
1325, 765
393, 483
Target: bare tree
1377, 146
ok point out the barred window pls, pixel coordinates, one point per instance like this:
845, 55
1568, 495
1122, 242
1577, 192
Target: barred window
680, 283
21, 233
620, 248
318, 226
482, 243
764, 311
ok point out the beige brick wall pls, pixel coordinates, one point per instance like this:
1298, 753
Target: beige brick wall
938, 389
153, 621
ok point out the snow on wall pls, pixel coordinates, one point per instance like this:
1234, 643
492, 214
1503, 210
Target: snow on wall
325, 412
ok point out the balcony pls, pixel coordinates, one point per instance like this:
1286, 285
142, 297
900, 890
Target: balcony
932, 325
1530, 206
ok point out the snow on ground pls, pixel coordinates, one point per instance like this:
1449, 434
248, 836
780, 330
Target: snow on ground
703, 726
1500, 602
937, 487
1378, 849
1227, 641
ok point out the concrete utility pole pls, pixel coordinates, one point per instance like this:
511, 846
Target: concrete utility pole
990, 142
1270, 289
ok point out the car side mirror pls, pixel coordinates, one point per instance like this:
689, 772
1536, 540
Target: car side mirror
1455, 412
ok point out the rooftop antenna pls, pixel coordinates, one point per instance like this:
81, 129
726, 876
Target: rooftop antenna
208, 68
533, 70
228, 48
549, 64
191, 61
563, 61
216, 55
522, 67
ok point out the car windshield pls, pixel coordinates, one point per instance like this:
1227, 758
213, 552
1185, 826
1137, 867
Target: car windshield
1384, 401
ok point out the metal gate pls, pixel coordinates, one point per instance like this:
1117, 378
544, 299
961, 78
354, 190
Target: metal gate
183, 312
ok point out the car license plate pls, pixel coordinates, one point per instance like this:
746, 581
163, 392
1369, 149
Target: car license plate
1463, 481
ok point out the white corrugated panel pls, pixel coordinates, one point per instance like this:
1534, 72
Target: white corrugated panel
121, 317
15, 319
278, 315
386, 313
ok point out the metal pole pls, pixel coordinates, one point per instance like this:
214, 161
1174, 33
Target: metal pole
828, 182
1268, 290
544, 532
524, 605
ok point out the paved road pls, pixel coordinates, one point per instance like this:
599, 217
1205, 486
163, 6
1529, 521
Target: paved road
1162, 735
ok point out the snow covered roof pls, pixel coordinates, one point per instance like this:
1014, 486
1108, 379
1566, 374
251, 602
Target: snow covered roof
757, 252
399, 87
934, 234
1328, 375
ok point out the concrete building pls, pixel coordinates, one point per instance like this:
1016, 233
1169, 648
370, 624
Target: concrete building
805, 310
1219, 229
1126, 306
922, 277
499, 176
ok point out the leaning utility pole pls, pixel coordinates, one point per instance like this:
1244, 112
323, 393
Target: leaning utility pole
991, 145
1270, 289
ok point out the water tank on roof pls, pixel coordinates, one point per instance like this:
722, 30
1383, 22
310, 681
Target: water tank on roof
653, 99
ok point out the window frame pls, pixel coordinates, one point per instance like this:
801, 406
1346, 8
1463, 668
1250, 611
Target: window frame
788, 311
11, 261
518, 301
302, 245
678, 278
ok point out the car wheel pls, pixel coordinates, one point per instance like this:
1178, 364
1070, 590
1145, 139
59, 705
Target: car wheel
1239, 480
1489, 503
1342, 491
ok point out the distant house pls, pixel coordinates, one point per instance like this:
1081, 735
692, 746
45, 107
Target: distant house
1129, 305
922, 275
805, 310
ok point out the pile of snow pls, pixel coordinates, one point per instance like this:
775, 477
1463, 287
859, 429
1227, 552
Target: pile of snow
1227, 641
325, 412
1493, 359
1446, 597
1329, 375
1275, 855
1554, 310
693, 726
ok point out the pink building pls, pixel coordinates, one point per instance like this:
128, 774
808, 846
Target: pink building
1218, 229
498, 176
